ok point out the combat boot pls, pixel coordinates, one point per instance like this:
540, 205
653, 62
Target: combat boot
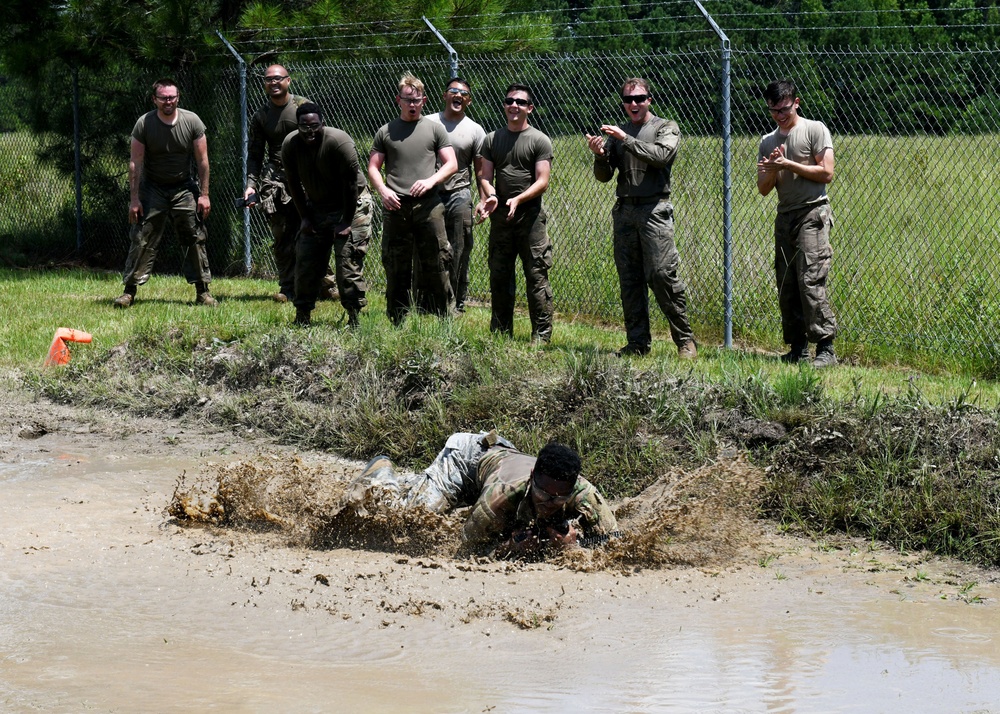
633, 349
204, 297
688, 351
126, 298
798, 353
825, 356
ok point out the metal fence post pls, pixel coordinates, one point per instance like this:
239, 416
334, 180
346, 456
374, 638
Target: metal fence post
77, 169
727, 185
244, 136
452, 54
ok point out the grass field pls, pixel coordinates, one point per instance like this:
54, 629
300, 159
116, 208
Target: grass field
916, 242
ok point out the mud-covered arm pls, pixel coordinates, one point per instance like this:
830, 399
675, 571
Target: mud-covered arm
596, 516
491, 518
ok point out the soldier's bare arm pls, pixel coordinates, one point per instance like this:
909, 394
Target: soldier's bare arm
136, 157
200, 148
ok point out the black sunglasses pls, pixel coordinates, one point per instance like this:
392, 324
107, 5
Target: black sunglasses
510, 101
637, 98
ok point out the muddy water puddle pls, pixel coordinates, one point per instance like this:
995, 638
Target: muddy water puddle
107, 605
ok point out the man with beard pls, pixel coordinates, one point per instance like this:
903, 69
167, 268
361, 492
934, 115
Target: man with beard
161, 187
266, 181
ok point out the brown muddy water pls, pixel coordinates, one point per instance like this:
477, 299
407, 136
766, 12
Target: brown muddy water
108, 605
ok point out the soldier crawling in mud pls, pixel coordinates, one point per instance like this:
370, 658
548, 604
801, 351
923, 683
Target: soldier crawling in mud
526, 504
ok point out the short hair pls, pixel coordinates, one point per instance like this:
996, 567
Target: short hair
517, 87
164, 82
780, 90
461, 80
558, 462
308, 108
411, 80
638, 82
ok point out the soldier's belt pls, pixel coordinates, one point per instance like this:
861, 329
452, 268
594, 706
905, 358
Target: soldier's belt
640, 200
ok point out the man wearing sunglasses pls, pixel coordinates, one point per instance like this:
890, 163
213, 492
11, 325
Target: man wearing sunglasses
522, 504
418, 158
330, 194
161, 188
642, 150
797, 160
266, 178
518, 158
467, 139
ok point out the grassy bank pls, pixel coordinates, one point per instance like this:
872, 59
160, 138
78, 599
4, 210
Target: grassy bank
884, 453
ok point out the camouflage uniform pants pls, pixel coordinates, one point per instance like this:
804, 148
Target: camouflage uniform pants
283, 219
458, 222
450, 480
647, 259
179, 204
313, 252
416, 231
802, 256
525, 236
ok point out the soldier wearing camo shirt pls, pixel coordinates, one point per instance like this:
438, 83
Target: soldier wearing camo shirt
642, 151
523, 503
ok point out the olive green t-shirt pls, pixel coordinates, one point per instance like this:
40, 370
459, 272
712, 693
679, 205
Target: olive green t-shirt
410, 149
467, 139
168, 148
330, 173
514, 155
806, 139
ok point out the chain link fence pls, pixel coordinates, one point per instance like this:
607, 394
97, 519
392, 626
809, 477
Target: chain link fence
916, 135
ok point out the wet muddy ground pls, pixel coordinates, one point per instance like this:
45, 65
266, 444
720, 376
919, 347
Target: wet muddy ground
109, 604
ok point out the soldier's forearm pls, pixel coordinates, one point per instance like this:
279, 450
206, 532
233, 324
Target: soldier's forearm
134, 178
203, 176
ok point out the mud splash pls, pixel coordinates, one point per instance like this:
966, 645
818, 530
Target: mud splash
697, 518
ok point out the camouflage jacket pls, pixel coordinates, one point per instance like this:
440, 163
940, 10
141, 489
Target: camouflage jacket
504, 506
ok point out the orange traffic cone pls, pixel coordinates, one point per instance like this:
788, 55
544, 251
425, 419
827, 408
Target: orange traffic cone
59, 351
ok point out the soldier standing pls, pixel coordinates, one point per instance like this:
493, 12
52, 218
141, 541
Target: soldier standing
642, 150
161, 187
